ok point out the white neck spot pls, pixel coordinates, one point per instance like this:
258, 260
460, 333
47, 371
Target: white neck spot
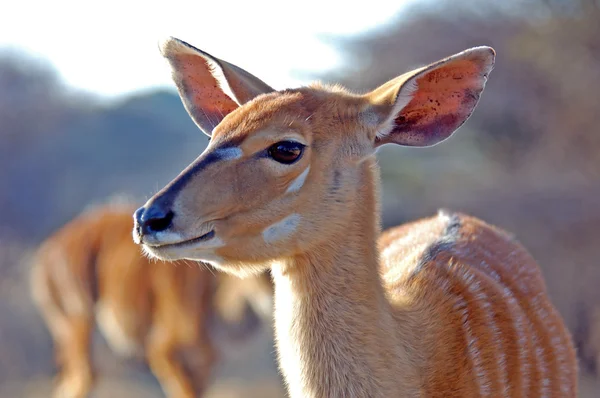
281, 229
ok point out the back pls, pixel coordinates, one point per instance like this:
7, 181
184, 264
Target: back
485, 326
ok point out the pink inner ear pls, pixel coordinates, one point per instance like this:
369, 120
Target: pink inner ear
202, 89
445, 97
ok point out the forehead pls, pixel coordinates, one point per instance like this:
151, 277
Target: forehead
268, 113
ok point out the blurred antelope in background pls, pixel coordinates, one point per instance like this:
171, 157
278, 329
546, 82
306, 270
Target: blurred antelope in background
447, 306
90, 271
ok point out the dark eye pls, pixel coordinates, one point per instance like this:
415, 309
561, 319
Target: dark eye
286, 152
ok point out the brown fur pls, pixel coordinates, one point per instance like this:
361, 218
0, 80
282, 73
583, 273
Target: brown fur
443, 307
488, 293
90, 270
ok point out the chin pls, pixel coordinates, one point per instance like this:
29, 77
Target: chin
240, 269
159, 254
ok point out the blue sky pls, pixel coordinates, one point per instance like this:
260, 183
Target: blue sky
110, 47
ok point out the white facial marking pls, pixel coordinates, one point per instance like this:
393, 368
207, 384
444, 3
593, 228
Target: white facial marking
230, 153
196, 251
298, 182
204, 250
168, 237
281, 229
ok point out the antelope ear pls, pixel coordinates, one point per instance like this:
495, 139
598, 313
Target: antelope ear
209, 87
425, 106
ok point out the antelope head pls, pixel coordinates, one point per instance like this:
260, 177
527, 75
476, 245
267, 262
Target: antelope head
284, 169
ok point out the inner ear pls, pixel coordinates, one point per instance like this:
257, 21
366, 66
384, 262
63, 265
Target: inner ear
425, 106
209, 88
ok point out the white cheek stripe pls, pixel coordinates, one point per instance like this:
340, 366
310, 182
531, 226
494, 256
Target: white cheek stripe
298, 182
281, 229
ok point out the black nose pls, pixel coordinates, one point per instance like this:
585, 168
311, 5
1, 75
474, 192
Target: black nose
153, 219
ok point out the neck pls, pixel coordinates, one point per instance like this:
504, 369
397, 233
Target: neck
335, 330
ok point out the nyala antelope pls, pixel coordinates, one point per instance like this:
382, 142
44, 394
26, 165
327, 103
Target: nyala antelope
447, 306
90, 271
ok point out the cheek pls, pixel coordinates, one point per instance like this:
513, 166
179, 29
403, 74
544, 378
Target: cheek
259, 242
251, 185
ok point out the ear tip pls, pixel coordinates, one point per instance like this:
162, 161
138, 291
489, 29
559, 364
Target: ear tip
485, 56
170, 45
484, 52
487, 52
167, 44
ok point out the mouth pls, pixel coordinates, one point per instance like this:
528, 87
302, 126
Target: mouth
189, 242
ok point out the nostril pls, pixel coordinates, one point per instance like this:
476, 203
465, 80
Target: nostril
153, 219
159, 222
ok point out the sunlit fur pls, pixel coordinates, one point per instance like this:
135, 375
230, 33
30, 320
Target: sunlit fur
91, 272
213, 195
444, 307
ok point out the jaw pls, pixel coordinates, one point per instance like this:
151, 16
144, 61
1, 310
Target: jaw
212, 256
242, 243
174, 254
197, 249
